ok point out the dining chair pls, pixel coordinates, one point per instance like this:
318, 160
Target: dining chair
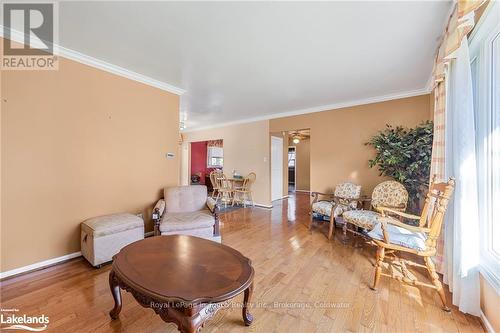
213, 179
224, 190
390, 235
244, 193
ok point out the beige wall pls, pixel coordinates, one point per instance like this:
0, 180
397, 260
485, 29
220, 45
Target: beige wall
302, 164
246, 149
76, 143
490, 304
337, 139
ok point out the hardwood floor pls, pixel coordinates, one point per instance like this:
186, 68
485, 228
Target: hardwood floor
303, 283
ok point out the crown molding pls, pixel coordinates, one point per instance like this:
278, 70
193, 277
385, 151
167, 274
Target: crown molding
322, 108
84, 59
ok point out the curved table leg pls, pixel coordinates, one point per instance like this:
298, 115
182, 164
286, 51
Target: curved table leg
115, 291
247, 316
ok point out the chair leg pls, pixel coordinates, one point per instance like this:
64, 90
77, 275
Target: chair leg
378, 266
344, 232
435, 280
311, 221
331, 230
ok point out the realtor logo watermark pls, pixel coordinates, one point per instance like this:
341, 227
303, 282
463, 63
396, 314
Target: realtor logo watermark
10, 319
30, 36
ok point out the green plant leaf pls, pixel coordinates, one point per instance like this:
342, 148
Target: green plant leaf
405, 155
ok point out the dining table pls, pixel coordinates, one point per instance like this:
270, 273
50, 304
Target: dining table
235, 181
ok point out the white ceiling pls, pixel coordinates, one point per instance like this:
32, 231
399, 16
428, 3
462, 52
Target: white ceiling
243, 60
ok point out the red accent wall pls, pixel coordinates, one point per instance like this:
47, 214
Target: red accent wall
199, 159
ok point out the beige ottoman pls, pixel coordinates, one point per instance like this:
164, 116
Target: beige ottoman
102, 237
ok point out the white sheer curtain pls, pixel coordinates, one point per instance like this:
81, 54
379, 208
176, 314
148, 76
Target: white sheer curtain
461, 242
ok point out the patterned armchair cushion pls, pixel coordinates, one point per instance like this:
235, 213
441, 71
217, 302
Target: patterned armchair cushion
400, 236
341, 208
322, 207
365, 219
322, 210
390, 194
348, 190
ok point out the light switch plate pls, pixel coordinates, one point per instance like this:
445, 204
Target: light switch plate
170, 156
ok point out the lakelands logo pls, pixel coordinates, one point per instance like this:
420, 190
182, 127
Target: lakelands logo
16, 321
29, 36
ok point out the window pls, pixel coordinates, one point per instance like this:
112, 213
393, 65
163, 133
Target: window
485, 66
215, 157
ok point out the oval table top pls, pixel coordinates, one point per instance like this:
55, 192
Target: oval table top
183, 268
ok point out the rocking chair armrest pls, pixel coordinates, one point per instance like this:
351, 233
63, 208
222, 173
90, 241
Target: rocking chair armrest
383, 210
402, 225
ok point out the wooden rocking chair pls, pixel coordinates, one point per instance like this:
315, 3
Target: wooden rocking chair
392, 235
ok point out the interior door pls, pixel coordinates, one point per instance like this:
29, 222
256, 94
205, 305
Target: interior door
276, 168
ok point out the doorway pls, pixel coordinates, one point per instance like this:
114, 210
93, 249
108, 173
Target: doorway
291, 168
299, 161
276, 168
205, 157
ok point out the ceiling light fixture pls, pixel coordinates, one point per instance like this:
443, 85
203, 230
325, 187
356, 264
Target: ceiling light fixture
296, 140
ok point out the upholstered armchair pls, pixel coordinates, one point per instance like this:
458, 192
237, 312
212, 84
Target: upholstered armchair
389, 194
187, 210
345, 197
392, 235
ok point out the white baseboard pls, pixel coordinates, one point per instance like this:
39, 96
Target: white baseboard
284, 197
39, 265
263, 206
306, 191
486, 323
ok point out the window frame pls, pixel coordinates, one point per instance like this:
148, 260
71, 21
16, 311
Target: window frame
483, 64
210, 156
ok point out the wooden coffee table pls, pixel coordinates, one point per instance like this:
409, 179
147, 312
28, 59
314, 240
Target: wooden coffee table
184, 279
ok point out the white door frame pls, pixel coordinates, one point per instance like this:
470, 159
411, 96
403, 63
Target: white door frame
185, 162
276, 168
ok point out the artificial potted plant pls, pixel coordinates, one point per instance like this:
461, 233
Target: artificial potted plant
405, 155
